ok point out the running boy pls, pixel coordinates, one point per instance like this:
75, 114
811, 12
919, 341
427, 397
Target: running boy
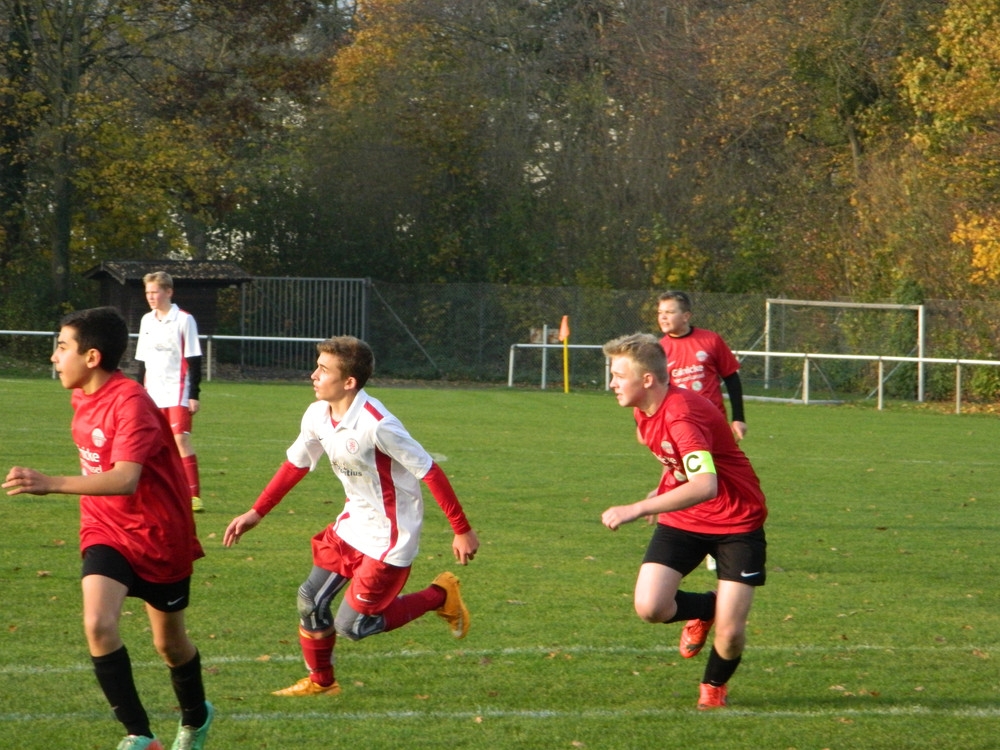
709, 501
371, 545
137, 534
169, 356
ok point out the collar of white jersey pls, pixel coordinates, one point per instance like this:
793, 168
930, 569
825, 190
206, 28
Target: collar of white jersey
354, 411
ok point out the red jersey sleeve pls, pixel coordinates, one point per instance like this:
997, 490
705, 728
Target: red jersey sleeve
284, 479
437, 481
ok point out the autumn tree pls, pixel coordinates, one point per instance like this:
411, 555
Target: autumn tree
954, 89
515, 142
128, 121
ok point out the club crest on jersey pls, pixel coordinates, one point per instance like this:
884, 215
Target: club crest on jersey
701, 356
352, 445
97, 436
667, 447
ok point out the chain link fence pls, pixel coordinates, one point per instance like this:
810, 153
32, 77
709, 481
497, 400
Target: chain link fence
464, 332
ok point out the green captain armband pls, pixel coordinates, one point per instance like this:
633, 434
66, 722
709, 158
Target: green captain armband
699, 462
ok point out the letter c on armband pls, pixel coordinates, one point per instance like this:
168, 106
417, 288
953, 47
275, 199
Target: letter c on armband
698, 462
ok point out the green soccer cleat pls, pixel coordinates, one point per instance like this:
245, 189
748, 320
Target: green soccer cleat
193, 738
139, 742
197, 505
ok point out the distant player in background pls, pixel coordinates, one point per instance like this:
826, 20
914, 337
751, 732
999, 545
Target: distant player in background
368, 550
698, 358
169, 356
708, 501
137, 534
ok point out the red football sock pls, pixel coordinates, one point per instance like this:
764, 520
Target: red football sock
411, 606
191, 472
317, 650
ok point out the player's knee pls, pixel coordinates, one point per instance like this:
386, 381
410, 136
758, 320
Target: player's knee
729, 641
314, 615
354, 626
305, 604
101, 628
174, 651
653, 610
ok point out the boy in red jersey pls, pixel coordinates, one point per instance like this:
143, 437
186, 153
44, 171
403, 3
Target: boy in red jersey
708, 501
137, 534
698, 359
371, 545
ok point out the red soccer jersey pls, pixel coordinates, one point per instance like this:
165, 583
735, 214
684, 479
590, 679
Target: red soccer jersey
685, 423
153, 528
697, 361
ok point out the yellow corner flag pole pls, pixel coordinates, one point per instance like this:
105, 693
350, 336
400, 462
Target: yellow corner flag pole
564, 337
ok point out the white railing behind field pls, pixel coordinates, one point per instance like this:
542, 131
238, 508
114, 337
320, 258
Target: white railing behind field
806, 357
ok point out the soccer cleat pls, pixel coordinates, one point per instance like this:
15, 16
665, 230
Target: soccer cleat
710, 697
693, 637
453, 610
306, 686
192, 738
197, 505
139, 742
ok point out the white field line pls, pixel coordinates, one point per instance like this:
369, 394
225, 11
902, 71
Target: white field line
661, 649
873, 710
969, 712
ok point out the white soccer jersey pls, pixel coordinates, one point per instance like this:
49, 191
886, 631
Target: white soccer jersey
164, 344
380, 466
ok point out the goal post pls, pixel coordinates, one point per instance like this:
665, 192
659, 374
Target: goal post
773, 302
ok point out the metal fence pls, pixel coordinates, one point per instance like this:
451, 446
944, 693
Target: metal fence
279, 319
464, 332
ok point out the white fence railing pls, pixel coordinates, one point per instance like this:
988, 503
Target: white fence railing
208, 347
807, 360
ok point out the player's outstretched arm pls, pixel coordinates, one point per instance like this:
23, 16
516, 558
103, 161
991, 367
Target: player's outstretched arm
240, 526
122, 479
465, 547
285, 478
699, 488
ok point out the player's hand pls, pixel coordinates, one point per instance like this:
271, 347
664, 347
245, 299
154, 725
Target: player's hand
21, 480
194, 405
465, 547
240, 526
618, 515
739, 430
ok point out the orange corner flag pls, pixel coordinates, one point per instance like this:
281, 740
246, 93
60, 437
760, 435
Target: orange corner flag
564, 328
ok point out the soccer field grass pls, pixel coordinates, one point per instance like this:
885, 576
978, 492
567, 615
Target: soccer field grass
878, 627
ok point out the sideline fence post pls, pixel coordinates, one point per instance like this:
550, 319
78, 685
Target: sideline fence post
805, 380
881, 368
958, 387
545, 354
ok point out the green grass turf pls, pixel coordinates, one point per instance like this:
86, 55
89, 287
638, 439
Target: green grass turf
877, 628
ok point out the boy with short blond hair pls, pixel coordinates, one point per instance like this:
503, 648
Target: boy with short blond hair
169, 356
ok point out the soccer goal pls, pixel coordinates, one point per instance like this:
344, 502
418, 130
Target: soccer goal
881, 329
